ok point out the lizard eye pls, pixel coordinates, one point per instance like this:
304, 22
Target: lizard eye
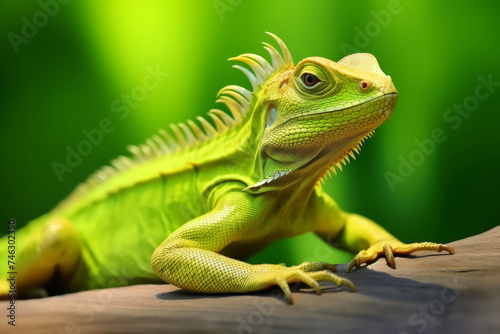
310, 80
364, 85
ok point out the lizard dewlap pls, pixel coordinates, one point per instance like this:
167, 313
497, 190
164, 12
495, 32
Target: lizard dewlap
191, 204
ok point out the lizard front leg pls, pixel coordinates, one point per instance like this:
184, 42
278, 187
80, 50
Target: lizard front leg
189, 258
361, 235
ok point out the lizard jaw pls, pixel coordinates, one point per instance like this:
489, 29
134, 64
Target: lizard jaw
341, 159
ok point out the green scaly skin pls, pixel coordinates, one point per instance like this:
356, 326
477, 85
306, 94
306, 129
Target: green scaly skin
188, 210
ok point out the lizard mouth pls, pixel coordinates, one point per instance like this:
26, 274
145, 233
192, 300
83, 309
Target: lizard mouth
381, 104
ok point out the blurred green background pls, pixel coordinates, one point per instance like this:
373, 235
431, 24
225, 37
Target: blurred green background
62, 75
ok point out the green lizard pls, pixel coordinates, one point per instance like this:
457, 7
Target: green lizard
189, 210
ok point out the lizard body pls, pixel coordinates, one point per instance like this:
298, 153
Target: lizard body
188, 208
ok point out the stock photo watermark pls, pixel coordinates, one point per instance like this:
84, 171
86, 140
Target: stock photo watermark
454, 117
87, 310
224, 6
264, 308
12, 272
323, 251
426, 314
31, 25
365, 34
94, 137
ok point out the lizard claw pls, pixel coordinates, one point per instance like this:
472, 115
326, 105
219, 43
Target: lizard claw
389, 255
352, 264
349, 284
329, 267
389, 249
447, 248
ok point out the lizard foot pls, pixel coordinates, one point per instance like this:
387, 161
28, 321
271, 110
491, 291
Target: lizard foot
388, 249
309, 273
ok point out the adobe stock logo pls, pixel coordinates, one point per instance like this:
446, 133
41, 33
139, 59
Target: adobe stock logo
223, 6
30, 27
122, 107
454, 117
365, 34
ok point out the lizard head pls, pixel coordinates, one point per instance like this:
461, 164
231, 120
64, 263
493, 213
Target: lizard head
315, 114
